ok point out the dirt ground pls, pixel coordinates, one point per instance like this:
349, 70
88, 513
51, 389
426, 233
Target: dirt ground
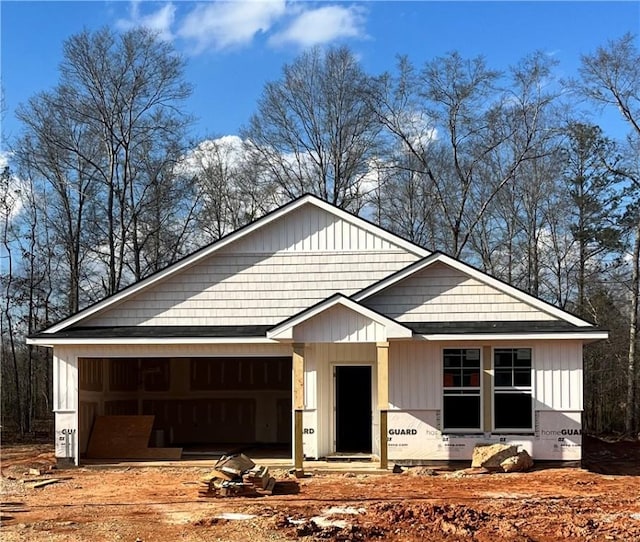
148, 504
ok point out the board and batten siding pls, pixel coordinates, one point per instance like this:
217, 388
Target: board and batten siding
339, 324
272, 274
558, 375
440, 293
415, 375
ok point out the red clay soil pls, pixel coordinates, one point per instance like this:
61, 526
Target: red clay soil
161, 504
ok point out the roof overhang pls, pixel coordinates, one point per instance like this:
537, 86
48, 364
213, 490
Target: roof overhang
587, 336
53, 341
285, 330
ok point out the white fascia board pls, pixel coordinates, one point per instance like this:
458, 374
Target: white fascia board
394, 330
569, 335
479, 275
150, 341
232, 237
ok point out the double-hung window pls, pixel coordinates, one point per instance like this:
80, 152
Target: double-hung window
461, 384
512, 392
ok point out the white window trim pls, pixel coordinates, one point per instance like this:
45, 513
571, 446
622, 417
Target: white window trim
494, 389
466, 430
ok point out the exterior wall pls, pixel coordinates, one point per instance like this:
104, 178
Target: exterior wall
273, 273
415, 392
440, 293
65, 403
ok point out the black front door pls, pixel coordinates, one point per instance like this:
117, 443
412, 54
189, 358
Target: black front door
353, 408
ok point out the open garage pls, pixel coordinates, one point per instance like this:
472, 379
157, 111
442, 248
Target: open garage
198, 403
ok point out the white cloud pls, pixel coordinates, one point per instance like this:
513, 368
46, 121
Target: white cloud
159, 21
228, 150
322, 25
221, 25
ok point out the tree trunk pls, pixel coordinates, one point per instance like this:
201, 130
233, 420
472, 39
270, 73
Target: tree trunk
630, 421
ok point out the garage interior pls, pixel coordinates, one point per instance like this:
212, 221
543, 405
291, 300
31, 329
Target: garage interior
204, 405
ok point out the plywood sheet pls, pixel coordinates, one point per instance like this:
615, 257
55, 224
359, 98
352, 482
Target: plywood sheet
125, 437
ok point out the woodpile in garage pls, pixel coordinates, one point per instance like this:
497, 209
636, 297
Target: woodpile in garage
237, 476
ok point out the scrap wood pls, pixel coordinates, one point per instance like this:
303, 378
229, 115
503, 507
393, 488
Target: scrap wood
217, 474
126, 437
36, 480
45, 482
37, 471
258, 476
234, 464
237, 475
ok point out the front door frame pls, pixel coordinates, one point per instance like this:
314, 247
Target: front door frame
334, 411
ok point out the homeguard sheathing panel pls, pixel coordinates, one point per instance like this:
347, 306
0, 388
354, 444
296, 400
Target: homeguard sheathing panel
266, 277
442, 293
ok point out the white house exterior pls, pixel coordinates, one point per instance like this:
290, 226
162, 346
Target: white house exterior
315, 327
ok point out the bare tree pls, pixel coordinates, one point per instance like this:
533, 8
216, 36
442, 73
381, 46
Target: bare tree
465, 136
313, 132
611, 77
116, 109
232, 187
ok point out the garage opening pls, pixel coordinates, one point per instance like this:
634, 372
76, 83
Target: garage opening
353, 409
199, 404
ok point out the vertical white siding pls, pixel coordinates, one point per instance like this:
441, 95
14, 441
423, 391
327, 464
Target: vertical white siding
311, 229
174, 350
415, 375
65, 378
339, 324
558, 375
311, 364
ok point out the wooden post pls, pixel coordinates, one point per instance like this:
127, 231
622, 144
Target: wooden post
298, 407
382, 355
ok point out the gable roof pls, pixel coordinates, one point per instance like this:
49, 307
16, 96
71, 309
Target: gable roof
439, 257
199, 255
284, 330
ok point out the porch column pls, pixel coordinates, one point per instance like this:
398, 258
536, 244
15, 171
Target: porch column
382, 358
298, 406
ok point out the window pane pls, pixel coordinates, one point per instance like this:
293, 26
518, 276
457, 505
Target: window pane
461, 412
471, 378
513, 410
452, 360
522, 377
452, 378
502, 378
503, 358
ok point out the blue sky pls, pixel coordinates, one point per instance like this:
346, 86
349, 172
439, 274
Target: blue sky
234, 48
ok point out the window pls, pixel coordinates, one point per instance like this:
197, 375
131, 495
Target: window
512, 399
461, 384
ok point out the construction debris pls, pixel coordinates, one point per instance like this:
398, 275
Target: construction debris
237, 476
45, 482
